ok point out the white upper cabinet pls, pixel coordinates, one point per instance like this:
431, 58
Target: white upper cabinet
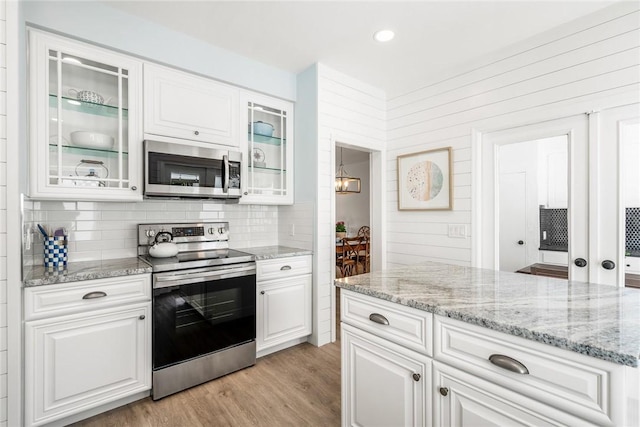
182, 105
268, 144
85, 108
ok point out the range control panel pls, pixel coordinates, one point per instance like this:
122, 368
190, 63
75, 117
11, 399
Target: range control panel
184, 233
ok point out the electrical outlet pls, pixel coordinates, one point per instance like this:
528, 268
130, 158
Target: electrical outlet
292, 230
457, 231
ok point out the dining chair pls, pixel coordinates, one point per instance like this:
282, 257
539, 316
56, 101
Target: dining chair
347, 261
364, 231
364, 254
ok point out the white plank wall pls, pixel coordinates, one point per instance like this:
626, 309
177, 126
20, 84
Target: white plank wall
352, 113
591, 63
3, 216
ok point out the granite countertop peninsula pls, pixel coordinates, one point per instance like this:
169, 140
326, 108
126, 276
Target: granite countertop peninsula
273, 252
86, 270
595, 320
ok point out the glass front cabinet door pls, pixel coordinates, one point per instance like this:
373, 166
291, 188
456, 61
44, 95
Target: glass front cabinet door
84, 112
268, 171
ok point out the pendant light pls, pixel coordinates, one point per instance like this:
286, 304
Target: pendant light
344, 183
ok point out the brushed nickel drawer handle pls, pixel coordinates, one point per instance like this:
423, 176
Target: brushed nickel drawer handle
285, 267
378, 318
93, 295
508, 363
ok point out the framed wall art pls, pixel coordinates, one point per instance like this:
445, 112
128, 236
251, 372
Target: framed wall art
424, 180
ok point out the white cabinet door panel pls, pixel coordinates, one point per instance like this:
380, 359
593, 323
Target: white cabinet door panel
182, 105
383, 384
74, 363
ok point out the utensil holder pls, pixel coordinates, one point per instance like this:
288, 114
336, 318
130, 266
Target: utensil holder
55, 252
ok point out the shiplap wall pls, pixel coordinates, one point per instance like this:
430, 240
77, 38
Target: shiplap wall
107, 230
3, 216
350, 113
591, 63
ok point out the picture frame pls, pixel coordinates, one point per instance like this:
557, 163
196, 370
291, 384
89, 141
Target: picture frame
425, 180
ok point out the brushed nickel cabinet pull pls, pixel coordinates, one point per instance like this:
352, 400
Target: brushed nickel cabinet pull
508, 363
378, 318
285, 267
93, 295
142, 317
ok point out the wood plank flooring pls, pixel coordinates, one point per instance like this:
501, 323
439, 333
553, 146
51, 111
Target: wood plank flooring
299, 386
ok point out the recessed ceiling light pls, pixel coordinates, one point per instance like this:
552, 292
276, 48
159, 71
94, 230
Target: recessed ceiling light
383, 35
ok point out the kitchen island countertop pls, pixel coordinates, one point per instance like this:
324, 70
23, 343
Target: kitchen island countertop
273, 252
595, 320
85, 270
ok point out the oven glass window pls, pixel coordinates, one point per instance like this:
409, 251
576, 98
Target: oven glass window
185, 171
197, 319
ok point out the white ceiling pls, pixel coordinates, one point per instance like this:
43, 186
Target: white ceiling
433, 38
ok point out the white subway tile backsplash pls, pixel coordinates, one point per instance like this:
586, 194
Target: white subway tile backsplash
202, 215
3, 362
124, 215
154, 216
73, 215
3, 291
98, 245
86, 235
48, 205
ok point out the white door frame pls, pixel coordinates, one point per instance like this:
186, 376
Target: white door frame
377, 211
485, 221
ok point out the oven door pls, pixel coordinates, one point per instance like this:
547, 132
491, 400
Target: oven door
202, 311
179, 170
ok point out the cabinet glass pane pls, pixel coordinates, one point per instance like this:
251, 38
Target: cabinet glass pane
267, 137
88, 122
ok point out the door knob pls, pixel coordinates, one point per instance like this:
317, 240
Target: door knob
580, 262
608, 264
520, 242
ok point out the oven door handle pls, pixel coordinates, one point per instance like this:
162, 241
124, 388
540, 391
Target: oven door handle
175, 279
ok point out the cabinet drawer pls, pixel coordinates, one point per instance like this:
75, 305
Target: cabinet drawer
67, 298
406, 326
283, 267
569, 381
632, 264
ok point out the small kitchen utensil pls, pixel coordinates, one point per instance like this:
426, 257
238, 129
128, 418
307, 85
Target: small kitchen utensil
59, 232
93, 170
262, 128
91, 140
43, 231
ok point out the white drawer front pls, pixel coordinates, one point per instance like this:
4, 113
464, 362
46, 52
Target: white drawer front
632, 264
283, 267
569, 381
406, 326
67, 298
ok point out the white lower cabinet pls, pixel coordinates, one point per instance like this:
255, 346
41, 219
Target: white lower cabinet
283, 302
81, 361
383, 384
480, 377
461, 399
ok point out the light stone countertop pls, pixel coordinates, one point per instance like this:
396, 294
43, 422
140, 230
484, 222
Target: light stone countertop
86, 270
595, 320
273, 252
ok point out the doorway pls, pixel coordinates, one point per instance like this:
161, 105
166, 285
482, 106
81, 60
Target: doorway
593, 215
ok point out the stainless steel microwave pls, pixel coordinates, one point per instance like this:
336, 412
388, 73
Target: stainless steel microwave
181, 170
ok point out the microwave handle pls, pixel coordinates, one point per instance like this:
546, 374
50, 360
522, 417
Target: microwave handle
225, 186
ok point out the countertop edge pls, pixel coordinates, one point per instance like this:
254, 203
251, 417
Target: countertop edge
262, 253
559, 342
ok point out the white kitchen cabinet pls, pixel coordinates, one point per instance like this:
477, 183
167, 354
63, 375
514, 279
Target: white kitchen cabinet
85, 116
461, 399
268, 144
382, 340
283, 310
97, 355
182, 105
632, 265
383, 384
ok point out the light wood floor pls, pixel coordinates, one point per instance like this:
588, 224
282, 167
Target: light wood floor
299, 386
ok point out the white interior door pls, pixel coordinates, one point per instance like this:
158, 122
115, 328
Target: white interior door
513, 227
615, 183
575, 131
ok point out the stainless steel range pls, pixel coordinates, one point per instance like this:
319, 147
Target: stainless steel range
204, 304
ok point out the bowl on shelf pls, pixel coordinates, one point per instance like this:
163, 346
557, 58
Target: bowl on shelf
262, 128
91, 140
